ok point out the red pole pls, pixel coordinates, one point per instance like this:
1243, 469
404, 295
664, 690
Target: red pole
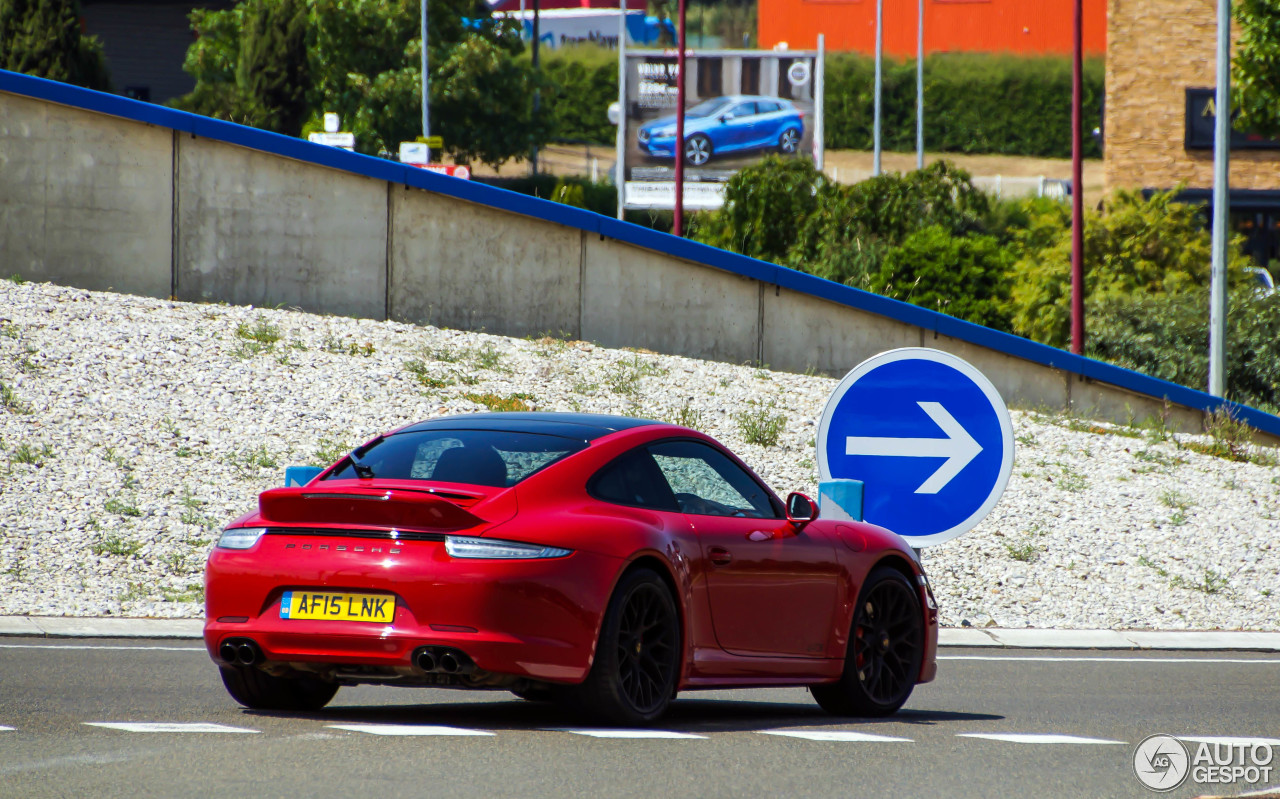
1077, 191
679, 147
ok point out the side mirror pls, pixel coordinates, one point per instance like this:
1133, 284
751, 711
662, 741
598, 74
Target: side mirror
800, 509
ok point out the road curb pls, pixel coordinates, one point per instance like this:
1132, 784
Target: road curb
989, 637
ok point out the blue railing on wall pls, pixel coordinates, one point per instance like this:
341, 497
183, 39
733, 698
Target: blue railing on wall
578, 218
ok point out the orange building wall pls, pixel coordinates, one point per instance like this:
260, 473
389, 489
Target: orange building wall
1029, 27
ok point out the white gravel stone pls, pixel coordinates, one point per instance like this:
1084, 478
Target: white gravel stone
132, 429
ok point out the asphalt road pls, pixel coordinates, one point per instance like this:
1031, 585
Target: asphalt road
52, 693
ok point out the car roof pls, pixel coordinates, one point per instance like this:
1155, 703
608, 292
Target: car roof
582, 426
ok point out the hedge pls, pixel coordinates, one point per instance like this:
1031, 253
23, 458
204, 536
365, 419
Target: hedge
974, 102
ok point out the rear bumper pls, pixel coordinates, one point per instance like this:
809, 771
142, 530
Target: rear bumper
529, 618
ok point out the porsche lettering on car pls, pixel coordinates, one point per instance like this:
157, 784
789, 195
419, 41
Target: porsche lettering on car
724, 125
606, 563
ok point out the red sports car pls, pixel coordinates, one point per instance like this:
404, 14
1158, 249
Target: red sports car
600, 561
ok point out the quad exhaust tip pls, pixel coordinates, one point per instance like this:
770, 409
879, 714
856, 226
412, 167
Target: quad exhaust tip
240, 652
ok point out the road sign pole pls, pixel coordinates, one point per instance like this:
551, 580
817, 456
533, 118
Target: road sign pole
426, 115
678, 228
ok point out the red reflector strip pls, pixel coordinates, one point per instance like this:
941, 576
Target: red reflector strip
233, 619
453, 628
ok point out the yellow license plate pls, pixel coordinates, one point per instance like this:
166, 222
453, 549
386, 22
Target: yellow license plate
338, 607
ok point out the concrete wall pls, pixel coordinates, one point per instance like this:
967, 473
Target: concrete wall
94, 193
85, 203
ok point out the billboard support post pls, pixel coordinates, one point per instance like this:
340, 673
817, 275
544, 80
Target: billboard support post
875, 160
618, 169
920, 87
678, 228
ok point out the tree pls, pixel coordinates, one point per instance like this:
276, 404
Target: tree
1255, 86
764, 206
962, 276
42, 38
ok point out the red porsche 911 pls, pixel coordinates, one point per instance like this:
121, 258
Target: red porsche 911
603, 562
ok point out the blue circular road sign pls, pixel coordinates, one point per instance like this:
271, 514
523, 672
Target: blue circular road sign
928, 436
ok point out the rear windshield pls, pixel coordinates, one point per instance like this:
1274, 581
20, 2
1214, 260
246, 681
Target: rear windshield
475, 457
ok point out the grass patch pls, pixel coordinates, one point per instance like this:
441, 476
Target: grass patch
10, 401
34, 456
761, 425
488, 357
16, 279
122, 506
497, 403
689, 416
1026, 551
115, 545
192, 592
251, 461
1211, 581
329, 450
422, 372
261, 331
340, 347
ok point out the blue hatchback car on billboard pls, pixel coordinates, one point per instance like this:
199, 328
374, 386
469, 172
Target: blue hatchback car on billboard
728, 124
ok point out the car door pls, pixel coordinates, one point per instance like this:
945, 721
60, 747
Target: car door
772, 589
735, 130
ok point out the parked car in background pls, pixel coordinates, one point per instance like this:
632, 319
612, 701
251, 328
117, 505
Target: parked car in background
729, 124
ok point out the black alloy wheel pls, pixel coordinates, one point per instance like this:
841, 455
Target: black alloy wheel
258, 690
637, 660
886, 645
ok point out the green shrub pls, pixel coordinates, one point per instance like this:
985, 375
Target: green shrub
973, 103
1132, 247
963, 276
1167, 336
764, 206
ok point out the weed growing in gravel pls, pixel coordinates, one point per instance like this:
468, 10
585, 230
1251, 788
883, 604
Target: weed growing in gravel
251, 461
122, 506
192, 592
9, 399
1159, 461
1025, 551
191, 506
261, 331
494, 402
760, 425
134, 592
329, 450
442, 354
490, 358
16, 279
25, 364
583, 387
340, 347
34, 456
548, 345
422, 372
1072, 480
623, 380
115, 545
1179, 503
689, 416
183, 451
1026, 439
1211, 581
9, 330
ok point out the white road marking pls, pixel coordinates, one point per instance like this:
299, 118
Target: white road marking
1052, 659
1035, 738
119, 648
6, 729
837, 735
406, 729
166, 726
1229, 741
628, 733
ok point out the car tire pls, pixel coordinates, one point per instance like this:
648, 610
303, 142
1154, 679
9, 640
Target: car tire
258, 690
637, 663
697, 150
886, 645
789, 141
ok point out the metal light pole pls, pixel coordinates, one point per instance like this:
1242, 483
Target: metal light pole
619, 169
875, 161
920, 87
537, 34
426, 117
1077, 186
678, 228
1221, 207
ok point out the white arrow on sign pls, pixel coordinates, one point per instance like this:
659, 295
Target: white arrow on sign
958, 447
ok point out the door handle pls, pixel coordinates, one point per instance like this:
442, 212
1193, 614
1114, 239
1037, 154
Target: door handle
719, 556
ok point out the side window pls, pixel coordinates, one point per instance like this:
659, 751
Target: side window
707, 483
633, 479
744, 110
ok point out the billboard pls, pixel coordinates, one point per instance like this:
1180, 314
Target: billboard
740, 105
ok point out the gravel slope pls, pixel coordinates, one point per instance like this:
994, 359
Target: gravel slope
131, 429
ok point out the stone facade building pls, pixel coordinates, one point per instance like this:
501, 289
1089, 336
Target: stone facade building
1159, 116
